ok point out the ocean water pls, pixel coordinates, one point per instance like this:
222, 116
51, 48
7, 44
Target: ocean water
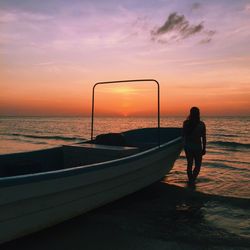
216, 210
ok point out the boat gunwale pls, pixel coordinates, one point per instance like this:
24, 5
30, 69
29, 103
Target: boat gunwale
62, 173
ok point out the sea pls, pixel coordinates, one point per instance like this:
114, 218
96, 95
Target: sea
170, 214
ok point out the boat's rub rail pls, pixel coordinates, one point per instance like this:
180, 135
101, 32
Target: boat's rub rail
100, 146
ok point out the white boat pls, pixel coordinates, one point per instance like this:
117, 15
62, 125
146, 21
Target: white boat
41, 188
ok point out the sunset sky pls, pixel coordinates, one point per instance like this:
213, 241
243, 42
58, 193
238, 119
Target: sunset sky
52, 52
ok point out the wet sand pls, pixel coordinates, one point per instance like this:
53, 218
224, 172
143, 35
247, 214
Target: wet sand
158, 217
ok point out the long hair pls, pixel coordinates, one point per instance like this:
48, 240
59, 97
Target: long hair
193, 119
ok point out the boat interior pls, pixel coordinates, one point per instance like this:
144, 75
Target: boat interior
103, 148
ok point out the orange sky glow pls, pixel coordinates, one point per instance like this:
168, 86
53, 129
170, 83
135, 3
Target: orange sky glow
51, 55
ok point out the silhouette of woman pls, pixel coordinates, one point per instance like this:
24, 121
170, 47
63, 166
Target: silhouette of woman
194, 136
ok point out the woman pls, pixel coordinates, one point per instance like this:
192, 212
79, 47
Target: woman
194, 135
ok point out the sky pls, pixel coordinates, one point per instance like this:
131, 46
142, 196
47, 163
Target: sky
52, 52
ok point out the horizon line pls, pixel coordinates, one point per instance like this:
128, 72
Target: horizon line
119, 116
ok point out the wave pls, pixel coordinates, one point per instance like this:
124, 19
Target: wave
54, 137
28, 141
234, 162
230, 144
225, 166
225, 135
174, 190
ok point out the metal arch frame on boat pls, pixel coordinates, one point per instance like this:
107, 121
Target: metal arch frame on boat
127, 81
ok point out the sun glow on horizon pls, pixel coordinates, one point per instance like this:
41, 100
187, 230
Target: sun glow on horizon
123, 90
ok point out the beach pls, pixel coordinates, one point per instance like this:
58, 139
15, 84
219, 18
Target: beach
158, 217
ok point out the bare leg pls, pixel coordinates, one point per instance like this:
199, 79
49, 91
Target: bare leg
198, 160
190, 160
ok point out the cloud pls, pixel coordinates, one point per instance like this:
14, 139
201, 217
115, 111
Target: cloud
6, 17
178, 23
177, 27
14, 16
195, 6
208, 36
247, 8
215, 61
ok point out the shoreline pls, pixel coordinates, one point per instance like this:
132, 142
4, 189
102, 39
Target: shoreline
160, 216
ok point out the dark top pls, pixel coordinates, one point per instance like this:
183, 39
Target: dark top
192, 140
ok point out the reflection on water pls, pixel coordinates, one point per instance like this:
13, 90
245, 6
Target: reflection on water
232, 218
189, 212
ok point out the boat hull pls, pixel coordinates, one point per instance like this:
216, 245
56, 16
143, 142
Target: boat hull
46, 200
